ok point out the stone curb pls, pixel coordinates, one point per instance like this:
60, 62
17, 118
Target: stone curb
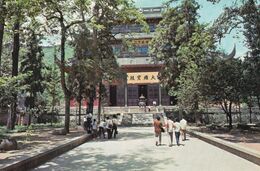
245, 153
42, 158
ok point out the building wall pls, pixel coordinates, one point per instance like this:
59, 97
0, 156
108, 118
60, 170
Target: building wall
136, 61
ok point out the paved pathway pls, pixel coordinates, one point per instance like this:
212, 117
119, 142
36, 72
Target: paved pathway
135, 149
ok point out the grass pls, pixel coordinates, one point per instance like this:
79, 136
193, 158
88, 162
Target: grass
4, 132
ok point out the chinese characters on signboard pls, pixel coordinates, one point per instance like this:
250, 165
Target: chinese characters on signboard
142, 78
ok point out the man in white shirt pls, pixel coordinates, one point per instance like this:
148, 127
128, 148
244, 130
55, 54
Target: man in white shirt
114, 128
183, 124
101, 128
177, 127
109, 127
170, 126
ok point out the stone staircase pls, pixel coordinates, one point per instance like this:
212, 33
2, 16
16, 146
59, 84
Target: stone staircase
135, 115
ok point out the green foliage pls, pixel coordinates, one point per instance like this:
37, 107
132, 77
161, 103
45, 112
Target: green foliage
183, 45
194, 55
32, 63
175, 29
222, 80
10, 86
53, 92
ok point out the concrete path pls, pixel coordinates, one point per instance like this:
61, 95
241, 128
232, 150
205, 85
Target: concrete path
135, 149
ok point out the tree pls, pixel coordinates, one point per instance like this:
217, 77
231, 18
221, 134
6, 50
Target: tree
9, 87
32, 63
2, 26
17, 11
175, 36
107, 14
194, 55
221, 83
53, 92
251, 17
65, 14
175, 29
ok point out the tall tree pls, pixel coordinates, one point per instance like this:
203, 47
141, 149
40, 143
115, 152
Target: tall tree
195, 54
53, 92
174, 37
17, 12
250, 13
64, 15
106, 15
32, 63
221, 83
175, 29
2, 25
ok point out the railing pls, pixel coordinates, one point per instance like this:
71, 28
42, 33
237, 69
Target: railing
136, 109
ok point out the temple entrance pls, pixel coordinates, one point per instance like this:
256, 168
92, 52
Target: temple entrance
113, 95
142, 90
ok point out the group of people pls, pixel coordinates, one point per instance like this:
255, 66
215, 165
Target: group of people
106, 128
172, 126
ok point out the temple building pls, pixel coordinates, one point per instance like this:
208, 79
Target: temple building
142, 71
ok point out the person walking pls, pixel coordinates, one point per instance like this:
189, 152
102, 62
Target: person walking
109, 127
183, 124
158, 130
177, 128
94, 128
101, 129
169, 127
114, 127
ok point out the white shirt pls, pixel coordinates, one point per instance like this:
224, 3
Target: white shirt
94, 126
177, 126
89, 115
109, 122
183, 124
170, 125
114, 120
102, 124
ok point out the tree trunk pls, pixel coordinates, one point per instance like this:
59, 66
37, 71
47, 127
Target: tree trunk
1, 43
196, 113
15, 58
239, 110
2, 25
91, 104
16, 48
230, 121
228, 111
12, 117
29, 120
67, 114
52, 115
258, 101
230, 115
99, 102
79, 113
52, 109
250, 114
63, 79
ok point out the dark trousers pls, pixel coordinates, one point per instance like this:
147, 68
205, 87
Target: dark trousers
177, 136
109, 133
101, 132
171, 136
114, 130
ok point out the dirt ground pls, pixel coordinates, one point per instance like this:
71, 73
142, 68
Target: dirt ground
35, 142
245, 138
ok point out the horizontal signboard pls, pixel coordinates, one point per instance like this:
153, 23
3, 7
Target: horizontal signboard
142, 78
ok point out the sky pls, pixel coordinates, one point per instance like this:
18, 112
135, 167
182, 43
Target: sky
208, 13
